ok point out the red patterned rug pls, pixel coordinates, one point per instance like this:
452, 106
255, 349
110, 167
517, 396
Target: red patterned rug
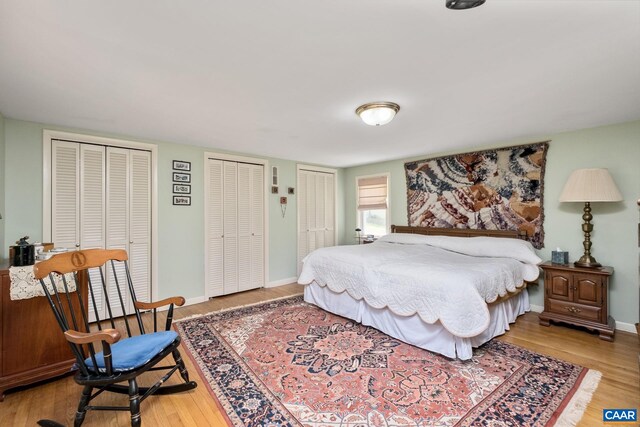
288, 363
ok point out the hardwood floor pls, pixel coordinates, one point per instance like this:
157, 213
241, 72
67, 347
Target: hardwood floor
57, 399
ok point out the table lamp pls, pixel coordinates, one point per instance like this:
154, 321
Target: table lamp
589, 185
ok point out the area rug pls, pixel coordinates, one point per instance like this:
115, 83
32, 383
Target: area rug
287, 363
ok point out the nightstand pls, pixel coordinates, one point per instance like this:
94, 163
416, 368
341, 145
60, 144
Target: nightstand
577, 296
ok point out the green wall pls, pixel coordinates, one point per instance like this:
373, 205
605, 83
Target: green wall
615, 240
181, 228
181, 233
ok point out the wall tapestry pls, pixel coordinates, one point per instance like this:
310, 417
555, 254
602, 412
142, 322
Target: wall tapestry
497, 189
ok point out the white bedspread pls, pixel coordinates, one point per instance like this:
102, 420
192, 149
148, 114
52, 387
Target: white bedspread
412, 274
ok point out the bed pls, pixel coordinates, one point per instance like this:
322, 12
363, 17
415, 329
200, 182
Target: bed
444, 290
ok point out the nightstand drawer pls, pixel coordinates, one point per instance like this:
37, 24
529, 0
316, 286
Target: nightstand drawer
575, 310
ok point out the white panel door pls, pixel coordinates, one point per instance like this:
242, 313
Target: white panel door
244, 226
230, 231
65, 194
257, 226
140, 224
214, 257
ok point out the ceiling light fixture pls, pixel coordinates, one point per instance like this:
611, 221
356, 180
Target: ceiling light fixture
377, 113
463, 4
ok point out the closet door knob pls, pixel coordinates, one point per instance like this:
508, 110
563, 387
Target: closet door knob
131, 242
77, 245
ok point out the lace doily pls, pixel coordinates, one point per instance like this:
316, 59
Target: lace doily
24, 285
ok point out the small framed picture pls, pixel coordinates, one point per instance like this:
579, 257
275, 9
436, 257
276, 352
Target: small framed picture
180, 165
181, 177
182, 200
274, 189
182, 188
291, 190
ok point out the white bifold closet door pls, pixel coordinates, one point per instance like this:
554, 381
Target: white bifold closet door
235, 227
316, 212
101, 198
128, 224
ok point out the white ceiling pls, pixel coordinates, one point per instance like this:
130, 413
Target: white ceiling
283, 77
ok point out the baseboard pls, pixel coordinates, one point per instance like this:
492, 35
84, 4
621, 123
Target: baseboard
620, 326
626, 327
195, 300
281, 282
190, 301
537, 308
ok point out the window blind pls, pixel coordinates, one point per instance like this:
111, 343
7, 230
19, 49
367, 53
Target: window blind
372, 193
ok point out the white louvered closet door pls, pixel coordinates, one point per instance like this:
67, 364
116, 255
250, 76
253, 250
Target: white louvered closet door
316, 212
129, 220
92, 209
214, 257
303, 223
65, 197
330, 210
250, 226
235, 227
321, 182
117, 216
244, 226
140, 224
257, 227
230, 230
101, 198
92, 194
312, 224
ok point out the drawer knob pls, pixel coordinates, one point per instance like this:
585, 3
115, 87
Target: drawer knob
572, 309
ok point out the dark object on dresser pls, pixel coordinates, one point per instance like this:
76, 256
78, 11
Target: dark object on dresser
32, 348
577, 296
23, 253
102, 357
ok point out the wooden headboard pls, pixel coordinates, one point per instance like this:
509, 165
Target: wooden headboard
458, 232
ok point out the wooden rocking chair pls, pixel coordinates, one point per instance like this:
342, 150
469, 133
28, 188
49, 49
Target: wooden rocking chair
103, 359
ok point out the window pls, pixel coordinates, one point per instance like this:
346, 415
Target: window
373, 215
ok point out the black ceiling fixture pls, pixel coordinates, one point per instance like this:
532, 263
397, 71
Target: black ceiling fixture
463, 4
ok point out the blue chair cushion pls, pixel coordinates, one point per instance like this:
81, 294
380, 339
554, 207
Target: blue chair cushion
132, 353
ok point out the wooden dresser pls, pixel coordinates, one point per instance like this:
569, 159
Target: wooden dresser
32, 347
577, 296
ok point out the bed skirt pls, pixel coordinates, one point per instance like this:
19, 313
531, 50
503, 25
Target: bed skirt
412, 329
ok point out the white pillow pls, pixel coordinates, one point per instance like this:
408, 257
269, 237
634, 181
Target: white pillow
495, 247
404, 238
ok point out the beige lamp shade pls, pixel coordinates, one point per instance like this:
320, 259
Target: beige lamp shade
590, 185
